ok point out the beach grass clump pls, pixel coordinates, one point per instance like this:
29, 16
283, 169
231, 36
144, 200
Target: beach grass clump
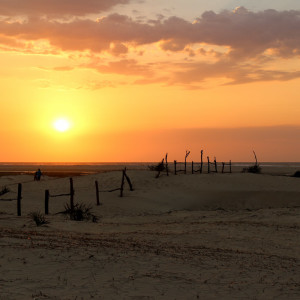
38, 218
253, 169
4, 190
80, 212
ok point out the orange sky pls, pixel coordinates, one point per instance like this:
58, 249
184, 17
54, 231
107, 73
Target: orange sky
133, 88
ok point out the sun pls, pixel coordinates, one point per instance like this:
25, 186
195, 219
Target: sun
61, 125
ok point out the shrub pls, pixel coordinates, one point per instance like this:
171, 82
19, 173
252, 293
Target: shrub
4, 190
252, 169
297, 174
38, 218
80, 212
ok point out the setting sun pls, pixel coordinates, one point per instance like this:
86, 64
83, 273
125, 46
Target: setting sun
61, 125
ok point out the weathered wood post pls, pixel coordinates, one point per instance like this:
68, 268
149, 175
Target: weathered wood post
192, 167
47, 195
71, 195
186, 155
223, 166
167, 167
97, 193
128, 180
208, 166
230, 166
201, 161
19, 199
122, 184
175, 171
216, 167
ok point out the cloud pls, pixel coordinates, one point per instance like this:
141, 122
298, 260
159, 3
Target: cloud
124, 67
56, 8
248, 34
251, 40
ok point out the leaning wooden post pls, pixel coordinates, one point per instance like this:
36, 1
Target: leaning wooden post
230, 166
201, 161
122, 184
175, 162
47, 195
192, 167
223, 165
216, 167
128, 180
97, 193
71, 195
186, 155
19, 199
208, 167
167, 167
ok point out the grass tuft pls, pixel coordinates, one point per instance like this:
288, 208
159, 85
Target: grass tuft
4, 190
38, 218
81, 212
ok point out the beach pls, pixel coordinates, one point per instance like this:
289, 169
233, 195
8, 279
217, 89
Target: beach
186, 236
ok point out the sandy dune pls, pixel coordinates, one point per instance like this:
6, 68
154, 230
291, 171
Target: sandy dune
201, 236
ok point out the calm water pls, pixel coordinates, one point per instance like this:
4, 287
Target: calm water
88, 168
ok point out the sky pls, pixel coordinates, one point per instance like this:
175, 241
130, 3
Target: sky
135, 79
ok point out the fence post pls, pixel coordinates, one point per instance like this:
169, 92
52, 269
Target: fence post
19, 199
128, 180
71, 195
230, 166
223, 165
208, 166
122, 184
175, 162
192, 167
201, 161
46, 202
167, 167
216, 167
97, 192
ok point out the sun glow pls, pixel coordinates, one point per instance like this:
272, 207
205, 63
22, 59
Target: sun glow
61, 125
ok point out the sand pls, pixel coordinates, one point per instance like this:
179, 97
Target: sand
201, 236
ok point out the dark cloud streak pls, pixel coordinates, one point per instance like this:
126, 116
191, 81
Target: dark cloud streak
56, 8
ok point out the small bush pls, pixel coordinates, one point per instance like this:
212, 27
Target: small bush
4, 190
297, 174
80, 212
252, 169
38, 218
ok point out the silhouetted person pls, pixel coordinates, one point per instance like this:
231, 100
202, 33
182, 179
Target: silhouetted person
37, 175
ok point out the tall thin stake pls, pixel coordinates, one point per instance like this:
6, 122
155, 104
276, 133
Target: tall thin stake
167, 167
201, 161
122, 184
97, 192
208, 166
47, 202
71, 195
216, 166
19, 199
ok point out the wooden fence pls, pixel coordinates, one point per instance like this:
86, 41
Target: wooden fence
212, 167
48, 195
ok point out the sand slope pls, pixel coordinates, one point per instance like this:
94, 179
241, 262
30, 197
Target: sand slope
179, 237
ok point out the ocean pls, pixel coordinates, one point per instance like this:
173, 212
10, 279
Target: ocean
62, 169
